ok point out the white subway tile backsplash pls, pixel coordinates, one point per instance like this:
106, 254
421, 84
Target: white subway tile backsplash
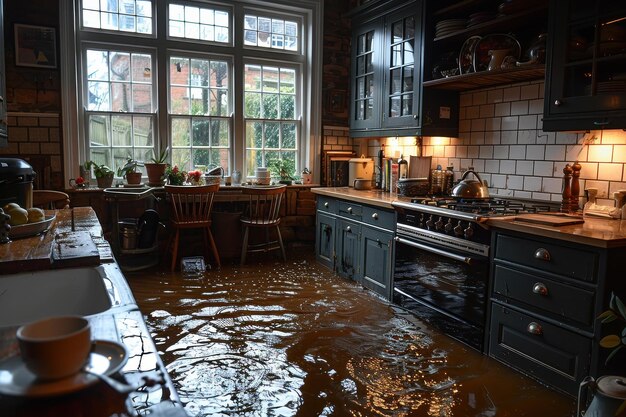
472, 112
479, 166
566, 138
541, 196
493, 124
515, 182
461, 151
536, 152
508, 137
450, 151
477, 138
479, 98
503, 109
610, 172
465, 164
486, 152
511, 94
494, 96
507, 167
552, 185
589, 170
487, 110
600, 153
555, 153
532, 183
619, 153
501, 152
528, 122
528, 137
602, 186
478, 125
492, 166
525, 167
544, 168
473, 151
498, 181
522, 194
616, 186
510, 123
492, 138
465, 100
517, 152
519, 108
530, 91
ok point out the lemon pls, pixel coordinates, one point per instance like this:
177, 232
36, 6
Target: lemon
18, 216
35, 215
11, 206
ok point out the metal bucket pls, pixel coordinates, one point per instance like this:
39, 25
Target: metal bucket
128, 234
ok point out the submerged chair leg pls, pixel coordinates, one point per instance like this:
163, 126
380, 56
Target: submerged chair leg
175, 249
280, 241
216, 254
244, 245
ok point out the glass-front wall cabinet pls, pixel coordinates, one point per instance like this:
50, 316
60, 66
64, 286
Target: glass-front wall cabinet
588, 73
366, 106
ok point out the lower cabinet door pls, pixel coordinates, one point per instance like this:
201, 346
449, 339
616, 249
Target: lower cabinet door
348, 239
546, 352
376, 251
325, 240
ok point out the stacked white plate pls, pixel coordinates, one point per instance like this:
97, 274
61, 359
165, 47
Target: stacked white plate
446, 27
263, 176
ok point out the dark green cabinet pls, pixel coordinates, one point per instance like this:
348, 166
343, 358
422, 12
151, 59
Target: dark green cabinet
387, 97
356, 241
377, 264
3, 103
586, 70
325, 239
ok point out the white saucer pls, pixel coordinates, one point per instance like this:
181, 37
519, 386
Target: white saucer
107, 357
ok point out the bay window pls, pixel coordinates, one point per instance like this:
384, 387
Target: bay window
223, 83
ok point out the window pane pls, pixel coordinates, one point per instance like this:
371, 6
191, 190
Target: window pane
206, 24
142, 131
270, 32
124, 15
121, 131
200, 131
288, 135
272, 139
180, 132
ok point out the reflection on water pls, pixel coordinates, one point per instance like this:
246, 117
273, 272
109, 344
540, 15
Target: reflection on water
293, 339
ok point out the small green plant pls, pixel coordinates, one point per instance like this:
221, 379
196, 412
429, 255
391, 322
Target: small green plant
131, 166
283, 169
161, 159
100, 171
616, 311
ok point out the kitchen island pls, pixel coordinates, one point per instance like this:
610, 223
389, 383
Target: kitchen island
122, 323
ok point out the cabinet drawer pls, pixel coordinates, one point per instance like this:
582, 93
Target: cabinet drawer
379, 217
545, 294
350, 210
326, 204
555, 356
570, 262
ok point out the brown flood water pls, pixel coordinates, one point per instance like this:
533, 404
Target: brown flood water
292, 339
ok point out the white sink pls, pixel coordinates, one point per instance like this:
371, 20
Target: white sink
33, 295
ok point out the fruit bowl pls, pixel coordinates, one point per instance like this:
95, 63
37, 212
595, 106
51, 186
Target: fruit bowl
31, 229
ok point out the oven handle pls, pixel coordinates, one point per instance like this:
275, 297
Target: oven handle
454, 256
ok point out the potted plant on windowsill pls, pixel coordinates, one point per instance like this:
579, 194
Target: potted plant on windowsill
131, 171
104, 174
155, 169
283, 169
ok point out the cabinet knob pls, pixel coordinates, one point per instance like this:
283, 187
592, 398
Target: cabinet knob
601, 123
534, 328
557, 102
350, 210
542, 254
375, 216
415, 117
540, 288
348, 229
326, 204
1, 99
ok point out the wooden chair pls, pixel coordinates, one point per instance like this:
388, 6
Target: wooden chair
50, 200
191, 209
263, 213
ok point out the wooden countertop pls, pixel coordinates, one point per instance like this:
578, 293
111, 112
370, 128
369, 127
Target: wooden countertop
604, 233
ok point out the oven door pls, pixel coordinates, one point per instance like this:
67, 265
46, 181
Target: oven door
443, 287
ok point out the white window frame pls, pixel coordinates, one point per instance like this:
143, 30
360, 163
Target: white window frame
311, 37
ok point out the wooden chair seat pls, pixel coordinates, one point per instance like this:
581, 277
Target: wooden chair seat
50, 199
191, 209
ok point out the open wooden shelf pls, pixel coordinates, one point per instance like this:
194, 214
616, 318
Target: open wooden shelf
483, 79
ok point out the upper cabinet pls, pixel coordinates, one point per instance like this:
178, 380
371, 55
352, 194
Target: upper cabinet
586, 82
3, 104
387, 62
474, 44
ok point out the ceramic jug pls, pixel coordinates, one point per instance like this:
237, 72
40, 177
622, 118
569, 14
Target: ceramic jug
497, 56
609, 395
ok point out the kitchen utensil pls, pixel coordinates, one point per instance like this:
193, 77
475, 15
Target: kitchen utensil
419, 166
609, 394
55, 347
496, 56
410, 187
466, 56
536, 53
360, 168
494, 41
467, 188
362, 184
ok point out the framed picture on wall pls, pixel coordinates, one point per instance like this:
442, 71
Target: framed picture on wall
35, 46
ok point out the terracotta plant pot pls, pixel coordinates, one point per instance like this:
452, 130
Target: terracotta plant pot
105, 182
133, 178
156, 174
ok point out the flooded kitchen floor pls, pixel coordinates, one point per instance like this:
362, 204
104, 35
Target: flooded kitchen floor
292, 339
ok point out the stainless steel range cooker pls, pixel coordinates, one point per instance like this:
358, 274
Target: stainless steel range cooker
442, 260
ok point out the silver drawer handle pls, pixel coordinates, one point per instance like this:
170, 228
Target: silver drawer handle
542, 254
326, 204
349, 209
534, 328
375, 216
348, 229
540, 288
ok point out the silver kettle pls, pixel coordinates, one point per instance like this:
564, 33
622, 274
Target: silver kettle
609, 395
467, 188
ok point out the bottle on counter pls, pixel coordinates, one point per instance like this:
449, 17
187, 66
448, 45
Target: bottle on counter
379, 176
436, 181
403, 167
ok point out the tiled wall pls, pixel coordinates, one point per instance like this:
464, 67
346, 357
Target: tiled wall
501, 136
336, 138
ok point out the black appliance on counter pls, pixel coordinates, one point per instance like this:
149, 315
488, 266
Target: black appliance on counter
16, 182
441, 271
